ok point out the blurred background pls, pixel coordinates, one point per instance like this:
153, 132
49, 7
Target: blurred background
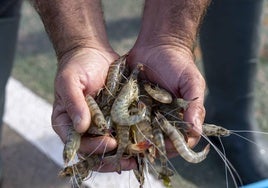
35, 67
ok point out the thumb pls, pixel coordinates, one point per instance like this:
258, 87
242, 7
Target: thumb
73, 100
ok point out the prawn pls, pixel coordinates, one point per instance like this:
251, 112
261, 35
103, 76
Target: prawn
121, 117
214, 130
157, 93
97, 117
72, 145
175, 108
113, 80
81, 169
142, 136
127, 95
142, 131
179, 142
159, 142
122, 143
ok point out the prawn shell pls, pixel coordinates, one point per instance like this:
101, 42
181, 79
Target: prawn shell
159, 94
179, 142
72, 145
215, 130
97, 116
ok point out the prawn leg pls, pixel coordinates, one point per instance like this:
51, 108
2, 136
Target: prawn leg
139, 147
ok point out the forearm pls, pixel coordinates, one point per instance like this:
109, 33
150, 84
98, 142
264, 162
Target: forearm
74, 24
172, 22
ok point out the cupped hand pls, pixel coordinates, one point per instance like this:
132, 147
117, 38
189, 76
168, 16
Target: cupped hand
81, 73
174, 69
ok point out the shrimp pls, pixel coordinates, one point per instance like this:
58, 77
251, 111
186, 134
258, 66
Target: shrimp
144, 128
207, 129
143, 146
159, 142
81, 169
122, 143
72, 145
128, 94
142, 131
98, 119
121, 117
215, 130
179, 142
142, 136
159, 94
113, 80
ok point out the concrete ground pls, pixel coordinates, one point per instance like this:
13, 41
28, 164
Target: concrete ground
24, 166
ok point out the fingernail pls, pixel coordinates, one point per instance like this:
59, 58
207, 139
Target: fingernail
76, 121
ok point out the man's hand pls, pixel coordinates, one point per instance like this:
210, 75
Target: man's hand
165, 46
81, 74
174, 69
77, 32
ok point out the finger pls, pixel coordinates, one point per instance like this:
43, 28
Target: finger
70, 92
60, 121
192, 85
195, 114
97, 145
126, 164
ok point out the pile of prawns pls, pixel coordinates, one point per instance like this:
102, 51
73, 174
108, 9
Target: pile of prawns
140, 116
